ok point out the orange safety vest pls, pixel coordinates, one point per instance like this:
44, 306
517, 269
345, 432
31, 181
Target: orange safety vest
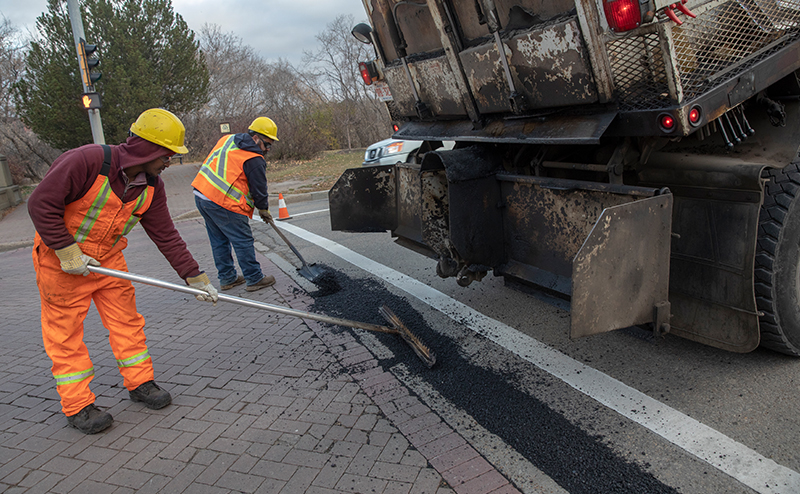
99, 220
222, 180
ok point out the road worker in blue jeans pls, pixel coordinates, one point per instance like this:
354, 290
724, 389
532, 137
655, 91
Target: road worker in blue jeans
230, 186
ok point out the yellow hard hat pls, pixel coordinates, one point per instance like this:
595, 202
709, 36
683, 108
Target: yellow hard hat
161, 127
265, 126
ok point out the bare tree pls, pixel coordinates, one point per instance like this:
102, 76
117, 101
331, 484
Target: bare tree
360, 118
28, 157
244, 86
235, 70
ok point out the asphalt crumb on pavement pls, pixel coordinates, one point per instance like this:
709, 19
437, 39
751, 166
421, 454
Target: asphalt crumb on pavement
578, 461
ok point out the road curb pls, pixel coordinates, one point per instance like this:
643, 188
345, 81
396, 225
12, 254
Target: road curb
15, 245
273, 202
294, 198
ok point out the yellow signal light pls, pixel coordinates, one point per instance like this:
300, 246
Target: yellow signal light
88, 63
91, 101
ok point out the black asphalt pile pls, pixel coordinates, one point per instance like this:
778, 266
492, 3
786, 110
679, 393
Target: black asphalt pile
326, 283
577, 461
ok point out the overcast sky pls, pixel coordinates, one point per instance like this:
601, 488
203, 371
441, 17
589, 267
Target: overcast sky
275, 29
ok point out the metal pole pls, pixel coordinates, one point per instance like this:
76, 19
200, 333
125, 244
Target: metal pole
74, 12
421, 349
241, 301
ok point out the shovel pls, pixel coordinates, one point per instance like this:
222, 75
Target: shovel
397, 327
307, 271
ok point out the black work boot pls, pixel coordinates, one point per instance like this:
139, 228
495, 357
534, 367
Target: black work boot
90, 420
151, 395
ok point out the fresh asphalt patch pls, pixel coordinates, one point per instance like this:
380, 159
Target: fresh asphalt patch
575, 459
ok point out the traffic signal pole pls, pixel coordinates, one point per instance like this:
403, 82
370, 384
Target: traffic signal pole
74, 12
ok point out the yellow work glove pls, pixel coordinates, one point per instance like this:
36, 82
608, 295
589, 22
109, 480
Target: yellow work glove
201, 282
265, 215
74, 261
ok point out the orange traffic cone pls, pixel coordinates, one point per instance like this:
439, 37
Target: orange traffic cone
283, 213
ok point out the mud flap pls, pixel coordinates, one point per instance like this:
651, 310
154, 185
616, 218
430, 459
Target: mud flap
364, 200
620, 276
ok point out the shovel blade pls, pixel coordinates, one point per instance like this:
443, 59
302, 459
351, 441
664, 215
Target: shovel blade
310, 272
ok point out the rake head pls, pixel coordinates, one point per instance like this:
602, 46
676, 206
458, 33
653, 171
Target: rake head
421, 349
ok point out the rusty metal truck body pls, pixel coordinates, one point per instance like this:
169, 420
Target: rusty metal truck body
644, 165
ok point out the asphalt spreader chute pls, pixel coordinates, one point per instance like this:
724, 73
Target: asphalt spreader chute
396, 325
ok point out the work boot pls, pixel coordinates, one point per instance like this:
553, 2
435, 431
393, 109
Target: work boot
90, 420
151, 395
265, 282
238, 281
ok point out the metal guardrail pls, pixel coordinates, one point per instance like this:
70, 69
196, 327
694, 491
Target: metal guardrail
9, 193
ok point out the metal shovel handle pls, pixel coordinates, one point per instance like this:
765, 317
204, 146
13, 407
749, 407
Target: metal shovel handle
280, 234
241, 301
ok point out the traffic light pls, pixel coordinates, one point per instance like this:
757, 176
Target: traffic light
91, 101
88, 63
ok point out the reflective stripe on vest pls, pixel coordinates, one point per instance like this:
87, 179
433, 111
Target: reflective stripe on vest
73, 377
221, 185
94, 213
131, 361
217, 175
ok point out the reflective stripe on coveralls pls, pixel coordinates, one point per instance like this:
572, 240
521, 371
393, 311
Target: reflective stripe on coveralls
103, 219
222, 180
130, 362
74, 377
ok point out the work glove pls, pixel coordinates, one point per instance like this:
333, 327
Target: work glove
201, 282
265, 215
74, 261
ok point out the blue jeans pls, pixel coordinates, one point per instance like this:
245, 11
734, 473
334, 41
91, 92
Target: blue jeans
226, 229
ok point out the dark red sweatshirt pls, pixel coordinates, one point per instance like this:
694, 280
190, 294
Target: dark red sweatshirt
72, 175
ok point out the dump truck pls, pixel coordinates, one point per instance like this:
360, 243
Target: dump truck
639, 157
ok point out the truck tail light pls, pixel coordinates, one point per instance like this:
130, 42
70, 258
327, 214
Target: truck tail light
695, 114
622, 15
368, 72
395, 127
666, 122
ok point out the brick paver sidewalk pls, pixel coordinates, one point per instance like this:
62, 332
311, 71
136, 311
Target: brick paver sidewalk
261, 402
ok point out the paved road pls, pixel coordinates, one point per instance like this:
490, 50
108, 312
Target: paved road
698, 419
254, 390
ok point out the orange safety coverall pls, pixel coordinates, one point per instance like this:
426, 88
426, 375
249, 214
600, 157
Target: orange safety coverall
98, 221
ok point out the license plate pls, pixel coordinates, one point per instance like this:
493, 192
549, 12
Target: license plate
382, 91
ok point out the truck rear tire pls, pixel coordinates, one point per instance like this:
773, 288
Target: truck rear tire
777, 267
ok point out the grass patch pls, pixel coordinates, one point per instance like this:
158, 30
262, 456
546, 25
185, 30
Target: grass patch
322, 171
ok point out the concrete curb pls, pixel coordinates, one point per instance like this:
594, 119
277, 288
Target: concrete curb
15, 245
187, 215
273, 202
293, 198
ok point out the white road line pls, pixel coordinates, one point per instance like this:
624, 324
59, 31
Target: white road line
307, 212
735, 459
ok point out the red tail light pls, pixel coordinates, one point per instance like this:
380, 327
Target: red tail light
622, 15
364, 69
667, 122
396, 127
695, 114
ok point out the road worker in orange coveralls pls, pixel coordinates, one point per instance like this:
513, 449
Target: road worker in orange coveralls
87, 202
